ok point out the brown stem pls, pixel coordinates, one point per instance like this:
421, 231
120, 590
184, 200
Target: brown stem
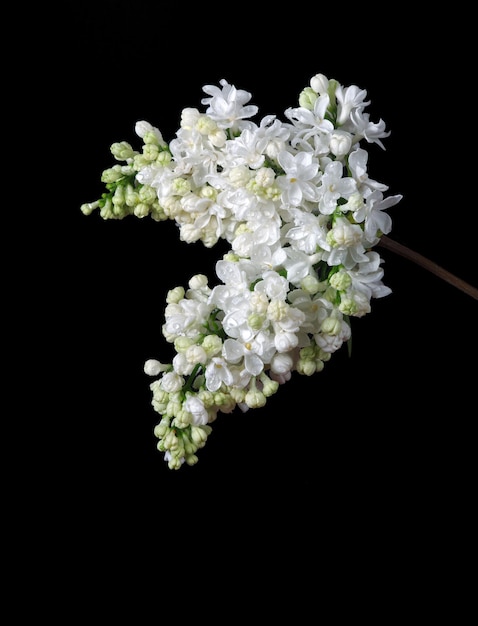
411, 255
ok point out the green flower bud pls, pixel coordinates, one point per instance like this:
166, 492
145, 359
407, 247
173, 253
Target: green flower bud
310, 284
112, 175
322, 355
122, 151
140, 161
347, 305
269, 387
307, 367
89, 207
189, 448
255, 398
131, 196
141, 210
150, 152
161, 429
183, 419
198, 435
175, 295
159, 407
205, 125
212, 344
206, 397
340, 280
181, 344
221, 398
170, 440
180, 186
307, 352
255, 321
175, 462
153, 138
173, 407
147, 194
307, 98
118, 196
331, 325
163, 159
238, 395
106, 210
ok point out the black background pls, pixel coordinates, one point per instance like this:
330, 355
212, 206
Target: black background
372, 457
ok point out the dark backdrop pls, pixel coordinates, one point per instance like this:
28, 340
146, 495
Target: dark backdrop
372, 451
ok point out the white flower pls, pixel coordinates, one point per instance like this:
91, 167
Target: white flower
254, 354
372, 212
227, 105
171, 382
334, 332
268, 257
301, 177
272, 134
247, 150
188, 318
237, 278
308, 233
349, 99
195, 406
373, 132
311, 122
334, 185
358, 159
314, 309
367, 276
218, 373
273, 285
346, 241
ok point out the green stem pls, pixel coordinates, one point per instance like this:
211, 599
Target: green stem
191, 379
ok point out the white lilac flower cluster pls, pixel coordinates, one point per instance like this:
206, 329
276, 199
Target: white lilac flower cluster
301, 215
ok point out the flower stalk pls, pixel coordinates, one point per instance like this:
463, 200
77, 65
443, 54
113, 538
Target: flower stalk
431, 266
